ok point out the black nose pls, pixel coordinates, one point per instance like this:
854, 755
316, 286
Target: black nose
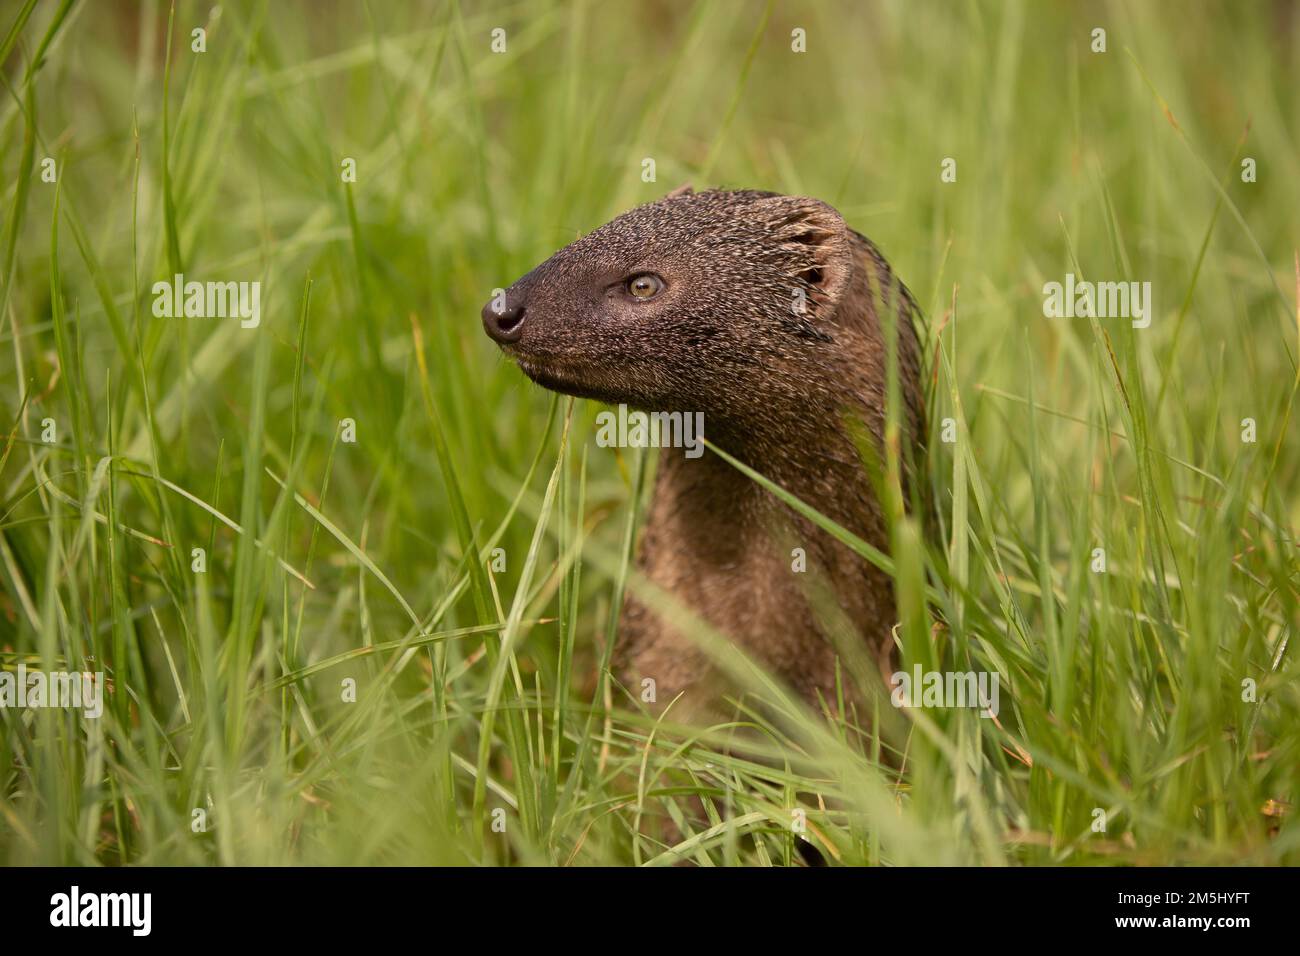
503, 319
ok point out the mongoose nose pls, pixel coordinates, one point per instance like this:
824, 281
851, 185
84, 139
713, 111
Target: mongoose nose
503, 319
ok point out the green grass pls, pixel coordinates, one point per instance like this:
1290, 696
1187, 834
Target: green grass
482, 697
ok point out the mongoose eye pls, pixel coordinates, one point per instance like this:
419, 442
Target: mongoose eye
644, 286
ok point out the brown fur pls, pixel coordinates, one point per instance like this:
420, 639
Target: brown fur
779, 390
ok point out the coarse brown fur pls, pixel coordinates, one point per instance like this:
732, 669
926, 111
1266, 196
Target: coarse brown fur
770, 323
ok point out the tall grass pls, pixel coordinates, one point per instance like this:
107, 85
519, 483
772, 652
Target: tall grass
486, 727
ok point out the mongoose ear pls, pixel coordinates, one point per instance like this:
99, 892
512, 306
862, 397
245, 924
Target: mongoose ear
817, 239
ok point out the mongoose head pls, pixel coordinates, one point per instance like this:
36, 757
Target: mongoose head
685, 303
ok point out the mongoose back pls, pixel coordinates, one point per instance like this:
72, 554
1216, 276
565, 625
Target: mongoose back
763, 312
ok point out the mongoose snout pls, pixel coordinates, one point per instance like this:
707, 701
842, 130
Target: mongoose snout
772, 317
503, 321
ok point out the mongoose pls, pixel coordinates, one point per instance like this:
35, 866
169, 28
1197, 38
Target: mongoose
764, 312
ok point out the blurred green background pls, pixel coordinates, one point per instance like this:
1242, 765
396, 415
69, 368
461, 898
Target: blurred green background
484, 729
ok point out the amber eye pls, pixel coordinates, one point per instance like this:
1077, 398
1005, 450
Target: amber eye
644, 286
